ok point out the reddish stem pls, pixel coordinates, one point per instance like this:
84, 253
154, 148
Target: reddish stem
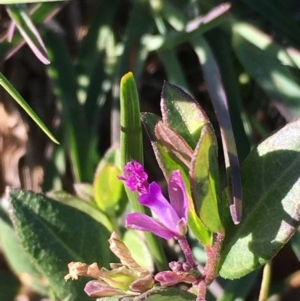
187, 251
213, 253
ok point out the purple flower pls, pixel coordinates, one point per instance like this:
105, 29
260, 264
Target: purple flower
170, 218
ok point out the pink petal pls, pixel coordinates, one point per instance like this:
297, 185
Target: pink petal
143, 222
163, 210
178, 194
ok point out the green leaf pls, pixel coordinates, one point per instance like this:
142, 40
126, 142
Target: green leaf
194, 28
239, 289
182, 113
18, 12
205, 182
62, 74
275, 13
138, 249
271, 211
217, 93
82, 205
108, 188
168, 164
20, 100
131, 148
277, 80
112, 158
53, 234
16, 257
173, 144
287, 55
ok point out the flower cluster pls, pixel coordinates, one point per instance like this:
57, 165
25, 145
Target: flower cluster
126, 278
170, 217
169, 221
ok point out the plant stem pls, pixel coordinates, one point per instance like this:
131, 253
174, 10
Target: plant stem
187, 251
213, 254
201, 290
265, 284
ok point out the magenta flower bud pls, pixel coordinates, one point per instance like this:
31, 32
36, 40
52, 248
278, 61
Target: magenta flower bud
168, 278
176, 266
186, 266
135, 177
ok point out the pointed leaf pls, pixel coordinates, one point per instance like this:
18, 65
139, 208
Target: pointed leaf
218, 96
182, 113
276, 79
205, 182
271, 211
53, 234
5, 83
18, 12
131, 148
169, 164
173, 144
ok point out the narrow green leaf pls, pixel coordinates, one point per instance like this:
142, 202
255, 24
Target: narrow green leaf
217, 93
280, 19
205, 182
53, 234
276, 80
271, 211
38, 13
131, 147
20, 100
18, 12
62, 73
287, 55
194, 28
220, 43
182, 113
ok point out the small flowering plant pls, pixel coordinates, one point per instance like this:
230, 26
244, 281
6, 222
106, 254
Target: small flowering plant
50, 231
185, 147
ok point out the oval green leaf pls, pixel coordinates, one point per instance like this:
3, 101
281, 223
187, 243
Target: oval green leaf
182, 113
271, 211
205, 182
53, 234
108, 188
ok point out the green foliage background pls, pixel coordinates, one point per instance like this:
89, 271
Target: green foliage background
92, 44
